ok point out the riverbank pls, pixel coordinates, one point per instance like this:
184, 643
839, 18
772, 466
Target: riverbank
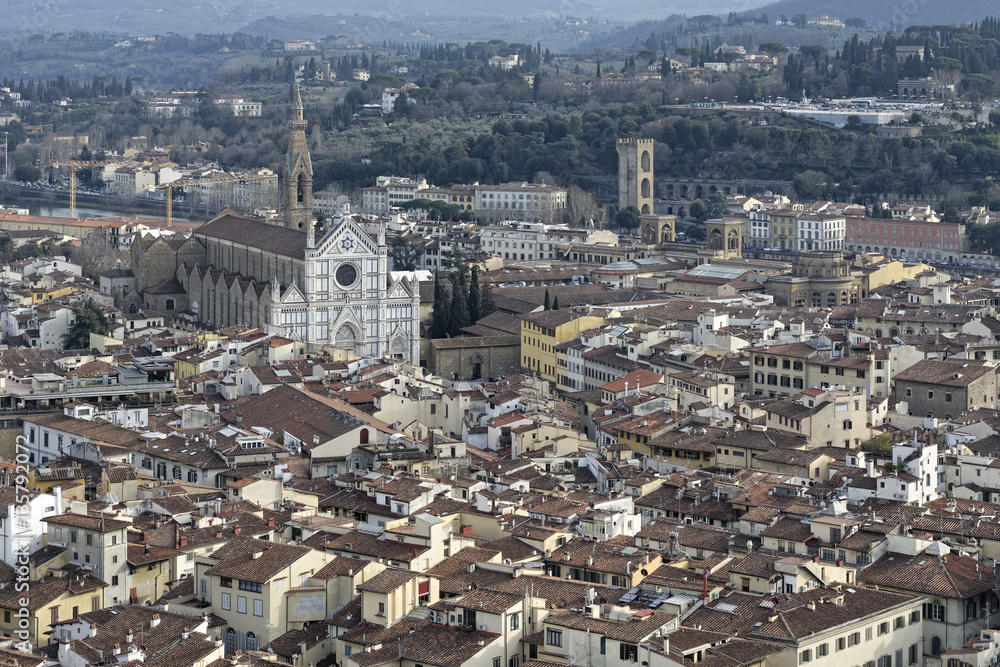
55, 203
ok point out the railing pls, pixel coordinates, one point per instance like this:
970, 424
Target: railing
120, 388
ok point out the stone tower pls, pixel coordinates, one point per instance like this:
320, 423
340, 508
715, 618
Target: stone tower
297, 173
635, 174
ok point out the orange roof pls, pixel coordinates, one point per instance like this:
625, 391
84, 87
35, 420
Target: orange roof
634, 379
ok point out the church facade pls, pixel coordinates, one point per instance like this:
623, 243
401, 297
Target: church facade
236, 271
349, 299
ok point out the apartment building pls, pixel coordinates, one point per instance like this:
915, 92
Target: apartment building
759, 228
599, 638
96, 545
542, 332
819, 231
837, 417
532, 202
391, 191
51, 599
831, 626
535, 240
906, 239
259, 588
783, 229
787, 369
946, 389
955, 593
463, 196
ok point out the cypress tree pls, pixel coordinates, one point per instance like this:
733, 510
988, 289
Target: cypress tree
441, 320
459, 303
555, 303
475, 297
489, 306
548, 303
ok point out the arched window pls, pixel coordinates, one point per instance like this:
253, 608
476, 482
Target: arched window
363, 437
251, 641
300, 194
132, 308
230, 641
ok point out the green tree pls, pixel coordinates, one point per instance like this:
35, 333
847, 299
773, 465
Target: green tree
555, 303
475, 296
27, 173
627, 218
403, 253
489, 305
699, 211
89, 319
441, 317
773, 48
547, 305
979, 86
459, 312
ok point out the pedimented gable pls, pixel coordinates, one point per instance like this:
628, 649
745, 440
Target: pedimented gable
347, 315
293, 295
346, 239
399, 291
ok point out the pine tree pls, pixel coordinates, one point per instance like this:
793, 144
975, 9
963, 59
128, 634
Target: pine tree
555, 303
548, 303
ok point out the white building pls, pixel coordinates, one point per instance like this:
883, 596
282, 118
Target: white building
349, 299
534, 240
22, 530
390, 191
817, 231
390, 95
533, 202
300, 45
504, 62
915, 480
241, 107
759, 223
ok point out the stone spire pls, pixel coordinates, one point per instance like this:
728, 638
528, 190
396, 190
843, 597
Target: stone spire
297, 173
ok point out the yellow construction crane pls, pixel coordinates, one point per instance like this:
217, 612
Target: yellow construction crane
184, 182
73, 166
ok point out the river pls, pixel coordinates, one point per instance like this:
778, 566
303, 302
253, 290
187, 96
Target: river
60, 210
90, 206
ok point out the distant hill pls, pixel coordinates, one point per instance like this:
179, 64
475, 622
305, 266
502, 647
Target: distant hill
886, 15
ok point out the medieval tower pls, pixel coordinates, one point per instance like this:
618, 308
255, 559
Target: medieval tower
635, 174
297, 173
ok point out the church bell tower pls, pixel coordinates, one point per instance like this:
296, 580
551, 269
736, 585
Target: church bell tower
297, 171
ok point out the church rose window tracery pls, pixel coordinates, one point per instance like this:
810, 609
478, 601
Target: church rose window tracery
347, 275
